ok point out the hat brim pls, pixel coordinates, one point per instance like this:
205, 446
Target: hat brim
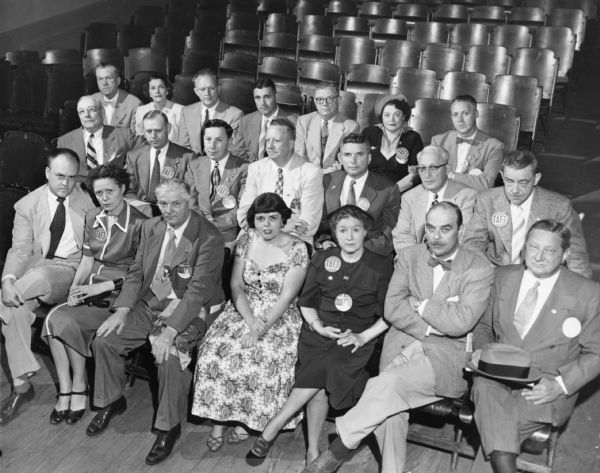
535, 374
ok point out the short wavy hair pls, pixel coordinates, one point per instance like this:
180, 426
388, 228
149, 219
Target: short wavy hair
267, 203
401, 105
346, 211
109, 171
157, 76
553, 226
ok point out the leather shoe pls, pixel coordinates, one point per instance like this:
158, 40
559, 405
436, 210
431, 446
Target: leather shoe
326, 463
14, 403
101, 420
163, 446
73, 417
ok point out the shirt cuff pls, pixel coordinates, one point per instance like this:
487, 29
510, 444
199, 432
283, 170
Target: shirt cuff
9, 276
428, 331
421, 309
561, 383
172, 330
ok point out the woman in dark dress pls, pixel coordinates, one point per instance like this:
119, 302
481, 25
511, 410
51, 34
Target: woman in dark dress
394, 145
342, 305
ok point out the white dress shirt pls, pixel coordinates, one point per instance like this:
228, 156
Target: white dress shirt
211, 112
358, 187
462, 151
161, 158
68, 243
440, 194
97, 143
109, 106
178, 234
262, 138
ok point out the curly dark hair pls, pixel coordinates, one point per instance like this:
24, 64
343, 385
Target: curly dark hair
267, 203
346, 211
401, 105
157, 76
109, 171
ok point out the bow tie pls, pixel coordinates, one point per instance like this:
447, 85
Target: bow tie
460, 140
106, 103
445, 264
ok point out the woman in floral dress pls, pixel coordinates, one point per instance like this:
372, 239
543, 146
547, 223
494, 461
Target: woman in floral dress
245, 367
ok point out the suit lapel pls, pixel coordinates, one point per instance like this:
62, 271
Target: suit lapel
119, 108
254, 133
502, 206
109, 149
334, 191
424, 274
508, 305
367, 191
313, 141
538, 208
187, 240
452, 149
336, 130
474, 151
43, 218
143, 165
419, 212
172, 160
155, 243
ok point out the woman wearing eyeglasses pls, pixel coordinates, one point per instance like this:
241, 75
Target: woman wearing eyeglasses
394, 145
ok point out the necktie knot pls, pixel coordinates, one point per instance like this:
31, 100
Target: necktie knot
91, 136
107, 103
445, 264
60, 200
469, 141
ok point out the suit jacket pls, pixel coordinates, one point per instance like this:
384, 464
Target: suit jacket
306, 187
200, 251
384, 203
233, 177
31, 230
496, 240
469, 281
116, 141
576, 359
124, 113
484, 156
245, 139
410, 228
190, 124
138, 167
308, 137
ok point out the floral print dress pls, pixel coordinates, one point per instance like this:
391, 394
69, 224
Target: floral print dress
250, 385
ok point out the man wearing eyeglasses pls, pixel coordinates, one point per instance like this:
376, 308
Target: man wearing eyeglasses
119, 106
40, 266
475, 157
502, 215
435, 187
319, 134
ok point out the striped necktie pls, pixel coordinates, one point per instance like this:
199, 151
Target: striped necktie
90, 153
279, 183
215, 179
324, 137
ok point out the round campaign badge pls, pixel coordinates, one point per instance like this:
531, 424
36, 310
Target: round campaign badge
363, 204
222, 191
402, 155
333, 264
499, 219
229, 202
343, 302
100, 234
571, 327
168, 172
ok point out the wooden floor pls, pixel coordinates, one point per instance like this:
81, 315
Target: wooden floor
570, 164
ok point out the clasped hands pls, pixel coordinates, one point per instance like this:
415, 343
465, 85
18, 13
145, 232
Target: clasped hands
77, 294
256, 329
344, 338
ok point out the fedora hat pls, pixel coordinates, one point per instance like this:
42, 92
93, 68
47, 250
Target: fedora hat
506, 363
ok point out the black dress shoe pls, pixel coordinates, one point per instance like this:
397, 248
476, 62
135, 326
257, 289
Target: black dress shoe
14, 403
73, 417
163, 446
56, 417
101, 420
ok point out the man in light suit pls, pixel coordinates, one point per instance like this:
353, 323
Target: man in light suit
95, 143
217, 179
474, 156
502, 216
355, 185
210, 107
169, 295
436, 295
119, 106
298, 182
435, 187
159, 159
553, 314
40, 265
249, 141
319, 134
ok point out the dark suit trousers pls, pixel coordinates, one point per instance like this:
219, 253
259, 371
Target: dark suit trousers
504, 419
110, 352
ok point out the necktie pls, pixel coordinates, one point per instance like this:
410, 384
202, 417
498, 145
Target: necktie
525, 310
469, 141
215, 179
90, 153
324, 136
206, 118
279, 183
155, 177
57, 227
445, 264
161, 284
435, 201
518, 235
262, 149
351, 200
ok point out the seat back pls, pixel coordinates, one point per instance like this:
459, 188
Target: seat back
533, 16
236, 64
195, 59
467, 35
6, 79
523, 93
23, 159
351, 26
64, 82
132, 37
242, 21
341, 8
414, 83
240, 41
571, 18
237, 92
62, 56
512, 37
316, 48
501, 122
16, 58
489, 60
100, 35
539, 63
278, 44
588, 7
431, 117
388, 29
183, 90
280, 23
281, 69
431, 32
375, 10
92, 58
202, 40
355, 51
488, 14
146, 60
442, 59
464, 83
400, 53
289, 97
315, 25
412, 12
367, 78
559, 39
451, 13
308, 7
546, 5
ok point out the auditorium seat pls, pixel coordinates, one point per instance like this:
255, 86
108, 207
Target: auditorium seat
512, 37
464, 83
235, 64
315, 25
289, 97
412, 12
375, 10
351, 26
202, 40
195, 59
145, 60
341, 8
6, 77
414, 83
430, 32
64, 82
242, 21
571, 18
501, 122
133, 36
364, 79
355, 51
280, 23
451, 13
211, 23
431, 116
488, 14
62, 56
467, 35
308, 7
183, 90
489, 60
441, 59
100, 35
385, 29
399, 53
316, 48
278, 68
310, 73
278, 44
546, 5
23, 159
241, 41
16, 58
531, 16
265, 7
92, 58
237, 92
172, 42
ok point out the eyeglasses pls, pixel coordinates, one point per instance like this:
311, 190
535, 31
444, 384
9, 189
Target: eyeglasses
430, 169
326, 100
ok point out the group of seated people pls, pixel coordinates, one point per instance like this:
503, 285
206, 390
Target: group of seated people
144, 205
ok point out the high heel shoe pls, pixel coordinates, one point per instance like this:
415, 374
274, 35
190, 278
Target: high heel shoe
56, 417
75, 416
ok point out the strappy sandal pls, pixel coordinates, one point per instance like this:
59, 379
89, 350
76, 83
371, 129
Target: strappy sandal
261, 447
214, 443
233, 438
56, 417
75, 416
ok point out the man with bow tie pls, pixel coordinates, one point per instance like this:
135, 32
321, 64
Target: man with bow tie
475, 157
553, 314
171, 293
159, 159
119, 106
436, 295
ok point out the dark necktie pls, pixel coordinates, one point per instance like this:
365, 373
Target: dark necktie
57, 227
279, 183
525, 310
154, 178
90, 153
202, 130
215, 179
351, 200
445, 264
324, 136
435, 201
161, 284
460, 140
